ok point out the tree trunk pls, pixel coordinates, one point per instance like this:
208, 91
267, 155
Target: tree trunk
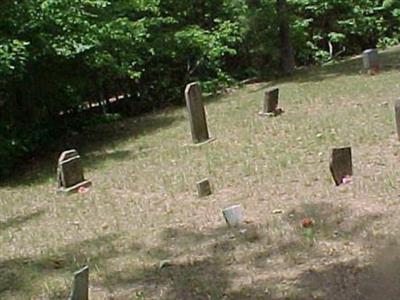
286, 50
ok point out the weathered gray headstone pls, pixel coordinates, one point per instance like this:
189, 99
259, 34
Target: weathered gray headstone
80, 289
70, 172
397, 115
233, 215
197, 114
341, 164
270, 105
203, 188
371, 60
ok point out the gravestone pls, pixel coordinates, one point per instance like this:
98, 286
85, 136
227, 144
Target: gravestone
197, 114
371, 60
270, 105
233, 215
397, 115
70, 172
203, 188
80, 289
341, 165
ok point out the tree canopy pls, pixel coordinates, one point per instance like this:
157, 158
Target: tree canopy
58, 55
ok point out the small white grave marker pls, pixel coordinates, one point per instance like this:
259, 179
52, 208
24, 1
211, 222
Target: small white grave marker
233, 215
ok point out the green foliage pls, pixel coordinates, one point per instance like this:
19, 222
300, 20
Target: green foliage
13, 57
342, 24
57, 55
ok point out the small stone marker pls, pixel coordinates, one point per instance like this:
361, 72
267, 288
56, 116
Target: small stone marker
397, 114
197, 114
341, 165
70, 172
80, 289
371, 60
233, 215
203, 188
270, 105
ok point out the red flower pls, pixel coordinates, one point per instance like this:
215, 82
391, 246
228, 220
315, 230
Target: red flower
307, 223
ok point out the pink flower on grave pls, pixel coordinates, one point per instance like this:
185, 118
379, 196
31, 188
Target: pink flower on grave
347, 179
83, 190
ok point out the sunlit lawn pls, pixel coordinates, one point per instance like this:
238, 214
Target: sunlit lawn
143, 208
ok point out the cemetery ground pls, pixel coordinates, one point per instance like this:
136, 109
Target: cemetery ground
146, 235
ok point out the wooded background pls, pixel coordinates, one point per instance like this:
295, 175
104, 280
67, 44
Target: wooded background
58, 56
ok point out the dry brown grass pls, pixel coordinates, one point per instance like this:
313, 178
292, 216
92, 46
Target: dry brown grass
143, 208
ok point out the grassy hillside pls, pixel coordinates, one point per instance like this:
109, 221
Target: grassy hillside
143, 208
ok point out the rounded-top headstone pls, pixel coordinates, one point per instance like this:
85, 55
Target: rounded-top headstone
197, 114
370, 59
70, 175
67, 155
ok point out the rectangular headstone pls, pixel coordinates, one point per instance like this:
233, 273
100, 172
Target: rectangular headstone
70, 172
203, 188
80, 289
397, 115
233, 215
341, 165
63, 157
270, 104
370, 60
197, 115
271, 99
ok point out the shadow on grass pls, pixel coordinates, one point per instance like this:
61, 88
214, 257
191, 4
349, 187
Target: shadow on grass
92, 144
213, 272
17, 221
349, 280
332, 224
332, 221
203, 265
196, 278
22, 274
336, 281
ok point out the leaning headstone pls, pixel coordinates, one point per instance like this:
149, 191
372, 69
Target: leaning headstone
371, 60
341, 165
233, 215
80, 289
197, 114
203, 188
270, 105
397, 114
70, 172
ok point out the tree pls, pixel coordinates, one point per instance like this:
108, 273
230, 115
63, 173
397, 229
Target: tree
287, 63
